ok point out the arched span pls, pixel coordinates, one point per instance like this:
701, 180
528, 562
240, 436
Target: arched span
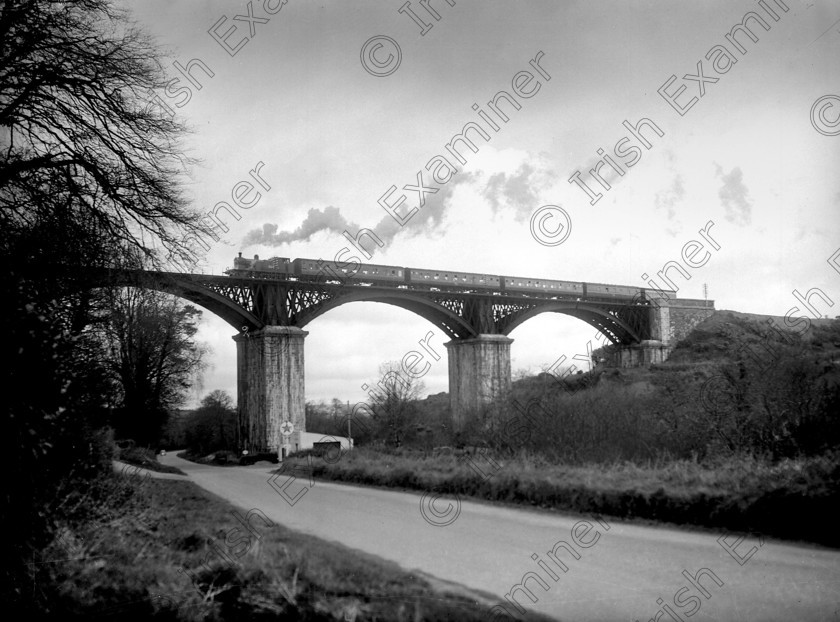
180, 285
449, 322
615, 329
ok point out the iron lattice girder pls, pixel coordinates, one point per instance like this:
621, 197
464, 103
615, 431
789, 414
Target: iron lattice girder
621, 322
459, 315
260, 302
233, 302
243, 296
638, 318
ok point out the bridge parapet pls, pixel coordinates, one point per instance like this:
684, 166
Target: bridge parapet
684, 315
671, 322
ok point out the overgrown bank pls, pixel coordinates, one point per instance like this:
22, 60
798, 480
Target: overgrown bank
141, 558
793, 499
145, 458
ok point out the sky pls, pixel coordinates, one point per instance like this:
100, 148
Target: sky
342, 101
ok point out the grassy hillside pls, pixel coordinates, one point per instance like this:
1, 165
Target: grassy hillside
734, 386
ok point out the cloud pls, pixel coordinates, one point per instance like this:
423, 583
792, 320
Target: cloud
734, 196
667, 199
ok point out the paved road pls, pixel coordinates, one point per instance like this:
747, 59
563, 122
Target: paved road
622, 570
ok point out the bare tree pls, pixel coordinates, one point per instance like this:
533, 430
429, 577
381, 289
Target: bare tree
392, 404
90, 172
79, 132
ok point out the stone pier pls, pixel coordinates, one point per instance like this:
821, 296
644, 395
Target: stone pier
479, 372
270, 379
639, 354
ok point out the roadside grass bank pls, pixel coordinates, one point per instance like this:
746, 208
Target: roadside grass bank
227, 457
794, 499
146, 458
156, 557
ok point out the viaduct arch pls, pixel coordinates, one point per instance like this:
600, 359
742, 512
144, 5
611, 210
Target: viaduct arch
269, 316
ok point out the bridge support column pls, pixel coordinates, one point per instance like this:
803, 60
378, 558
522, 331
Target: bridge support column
479, 372
640, 354
270, 388
660, 321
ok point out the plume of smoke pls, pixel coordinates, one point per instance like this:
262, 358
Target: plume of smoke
734, 196
427, 219
327, 219
518, 190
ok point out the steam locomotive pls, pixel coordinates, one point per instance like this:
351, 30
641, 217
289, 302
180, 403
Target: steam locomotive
371, 274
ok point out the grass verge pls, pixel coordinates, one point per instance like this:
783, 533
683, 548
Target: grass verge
792, 499
147, 562
146, 458
227, 457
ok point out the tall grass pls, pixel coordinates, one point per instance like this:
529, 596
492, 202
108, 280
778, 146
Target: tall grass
146, 563
741, 493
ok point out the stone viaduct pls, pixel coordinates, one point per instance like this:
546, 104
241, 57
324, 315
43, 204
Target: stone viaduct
270, 315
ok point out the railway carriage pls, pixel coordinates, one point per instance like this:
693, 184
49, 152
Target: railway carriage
316, 267
373, 272
604, 290
570, 288
452, 279
370, 274
366, 272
